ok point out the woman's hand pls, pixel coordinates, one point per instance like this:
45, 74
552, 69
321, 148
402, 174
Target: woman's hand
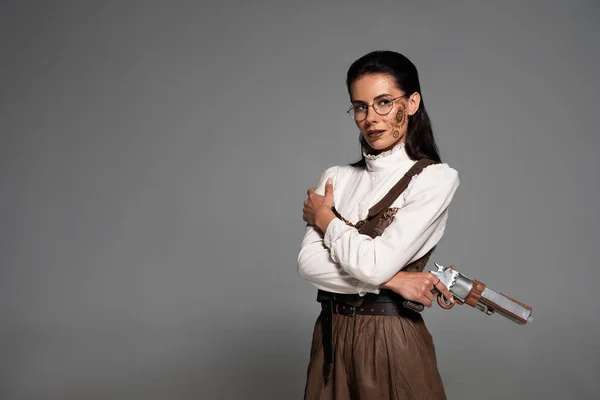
317, 209
417, 286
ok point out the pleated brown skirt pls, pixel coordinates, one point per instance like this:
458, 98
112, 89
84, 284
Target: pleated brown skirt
375, 357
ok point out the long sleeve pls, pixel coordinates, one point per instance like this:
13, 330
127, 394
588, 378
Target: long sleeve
417, 228
315, 263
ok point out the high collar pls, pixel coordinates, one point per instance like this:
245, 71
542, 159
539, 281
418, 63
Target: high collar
388, 159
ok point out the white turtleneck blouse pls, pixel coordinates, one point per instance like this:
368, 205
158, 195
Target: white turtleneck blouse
344, 261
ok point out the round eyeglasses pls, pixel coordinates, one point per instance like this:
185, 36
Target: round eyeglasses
382, 106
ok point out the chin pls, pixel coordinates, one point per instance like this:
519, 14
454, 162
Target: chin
381, 146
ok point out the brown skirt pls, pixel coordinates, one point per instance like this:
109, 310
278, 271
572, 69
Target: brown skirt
375, 357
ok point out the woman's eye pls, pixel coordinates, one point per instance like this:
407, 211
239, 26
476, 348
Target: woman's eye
360, 107
384, 102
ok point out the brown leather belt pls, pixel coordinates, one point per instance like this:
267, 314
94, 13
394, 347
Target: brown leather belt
369, 309
386, 303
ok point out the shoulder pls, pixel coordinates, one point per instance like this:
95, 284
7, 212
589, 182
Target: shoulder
434, 180
337, 173
439, 174
330, 172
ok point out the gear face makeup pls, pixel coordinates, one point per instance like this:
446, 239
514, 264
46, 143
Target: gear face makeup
376, 94
400, 116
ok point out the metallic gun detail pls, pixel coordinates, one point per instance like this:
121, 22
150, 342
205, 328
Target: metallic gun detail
478, 295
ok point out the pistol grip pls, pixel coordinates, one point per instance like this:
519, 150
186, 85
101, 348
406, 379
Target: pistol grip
413, 305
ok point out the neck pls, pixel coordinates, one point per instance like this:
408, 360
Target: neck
384, 160
371, 151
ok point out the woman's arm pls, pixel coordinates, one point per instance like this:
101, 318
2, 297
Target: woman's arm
315, 263
417, 227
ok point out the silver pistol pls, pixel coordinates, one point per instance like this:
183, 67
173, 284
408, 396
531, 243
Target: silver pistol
478, 295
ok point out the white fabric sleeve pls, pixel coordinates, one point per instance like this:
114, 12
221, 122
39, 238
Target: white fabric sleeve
417, 227
314, 260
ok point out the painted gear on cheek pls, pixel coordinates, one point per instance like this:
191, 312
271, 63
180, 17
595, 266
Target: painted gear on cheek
400, 121
400, 117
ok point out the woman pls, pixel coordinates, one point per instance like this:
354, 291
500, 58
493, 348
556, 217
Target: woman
371, 227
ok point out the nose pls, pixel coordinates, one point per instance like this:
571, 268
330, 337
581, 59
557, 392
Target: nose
371, 115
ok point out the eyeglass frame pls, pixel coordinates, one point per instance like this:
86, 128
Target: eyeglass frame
372, 105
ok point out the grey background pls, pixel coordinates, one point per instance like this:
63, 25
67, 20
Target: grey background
154, 158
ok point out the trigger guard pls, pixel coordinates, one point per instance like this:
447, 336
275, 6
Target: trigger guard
443, 302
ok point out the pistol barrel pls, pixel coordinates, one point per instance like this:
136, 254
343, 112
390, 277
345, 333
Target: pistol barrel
478, 295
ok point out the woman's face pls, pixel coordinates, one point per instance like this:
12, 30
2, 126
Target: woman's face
382, 132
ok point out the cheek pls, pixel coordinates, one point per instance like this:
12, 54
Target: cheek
400, 116
362, 126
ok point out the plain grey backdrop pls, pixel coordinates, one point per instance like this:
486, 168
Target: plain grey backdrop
154, 157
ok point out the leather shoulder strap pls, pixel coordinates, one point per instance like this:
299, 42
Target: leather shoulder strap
399, 187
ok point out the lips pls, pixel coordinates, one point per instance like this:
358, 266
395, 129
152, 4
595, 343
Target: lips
373, 133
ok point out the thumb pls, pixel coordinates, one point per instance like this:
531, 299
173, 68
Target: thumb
329, 188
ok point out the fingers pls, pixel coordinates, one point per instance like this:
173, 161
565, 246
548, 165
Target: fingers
444, 290
429, 294
425, 301
308, 212
305, 212
428, 290
308, 218
310, 191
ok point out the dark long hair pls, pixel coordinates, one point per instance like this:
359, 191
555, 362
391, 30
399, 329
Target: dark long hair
419, 142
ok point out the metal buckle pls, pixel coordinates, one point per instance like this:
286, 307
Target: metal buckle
344, 312
353, 311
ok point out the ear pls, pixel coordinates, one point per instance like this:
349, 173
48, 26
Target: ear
413, 103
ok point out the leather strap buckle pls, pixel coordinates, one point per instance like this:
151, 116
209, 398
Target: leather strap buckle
346, 309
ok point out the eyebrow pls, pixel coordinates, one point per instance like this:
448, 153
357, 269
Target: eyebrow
378, 97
